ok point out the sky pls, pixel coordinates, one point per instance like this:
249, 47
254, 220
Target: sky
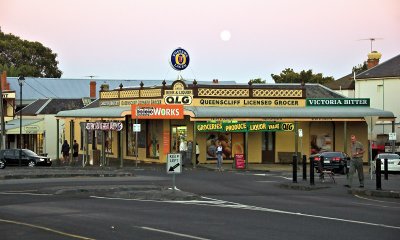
229, 40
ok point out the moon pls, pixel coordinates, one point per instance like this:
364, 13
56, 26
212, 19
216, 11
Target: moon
225, 35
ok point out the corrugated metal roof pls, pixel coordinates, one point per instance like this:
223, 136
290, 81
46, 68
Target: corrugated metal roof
242, 112
101, 112
39, 88
307, 112
15, 123
389, 68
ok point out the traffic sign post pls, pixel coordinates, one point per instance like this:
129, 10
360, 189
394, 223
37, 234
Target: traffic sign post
174, 166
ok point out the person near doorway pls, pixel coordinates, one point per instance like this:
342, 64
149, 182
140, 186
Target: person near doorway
75, 148
219, 156
189, 152
183, 150
65, 152
356, 162
197, 153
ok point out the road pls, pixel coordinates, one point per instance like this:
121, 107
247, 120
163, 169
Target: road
233, 205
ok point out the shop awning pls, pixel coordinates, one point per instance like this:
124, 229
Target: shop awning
99, 112
29, 126
248, 113
306, 114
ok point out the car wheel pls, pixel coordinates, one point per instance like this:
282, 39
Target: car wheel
31, 163
2, 165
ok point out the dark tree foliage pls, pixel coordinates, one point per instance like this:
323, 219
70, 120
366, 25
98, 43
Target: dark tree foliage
360, 68
30, 59
290, 76
257, 80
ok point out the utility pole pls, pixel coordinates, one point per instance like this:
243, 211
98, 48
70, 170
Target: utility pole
3, 125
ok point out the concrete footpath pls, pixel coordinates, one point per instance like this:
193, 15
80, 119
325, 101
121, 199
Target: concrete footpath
390, 188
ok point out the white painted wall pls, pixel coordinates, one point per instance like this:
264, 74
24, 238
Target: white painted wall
51, 141
384, 94
346, 93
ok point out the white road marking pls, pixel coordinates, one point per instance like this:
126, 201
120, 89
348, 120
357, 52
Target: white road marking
173, 233
25, 193
374, 200
267, 181
225, 204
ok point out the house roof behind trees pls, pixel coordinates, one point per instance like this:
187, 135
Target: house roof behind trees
390, 68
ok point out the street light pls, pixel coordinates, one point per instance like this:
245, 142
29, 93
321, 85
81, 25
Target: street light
21, 81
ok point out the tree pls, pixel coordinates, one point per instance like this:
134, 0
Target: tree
257, 80
290, 76
360, 68
22, 57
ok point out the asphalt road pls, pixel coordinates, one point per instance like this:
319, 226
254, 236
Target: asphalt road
230, 205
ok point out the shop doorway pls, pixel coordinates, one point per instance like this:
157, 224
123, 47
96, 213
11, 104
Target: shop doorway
178, 135
268, 147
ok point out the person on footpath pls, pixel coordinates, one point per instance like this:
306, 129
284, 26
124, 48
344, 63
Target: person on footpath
75, 148
65, 152
356, 162
219, 156
197, 153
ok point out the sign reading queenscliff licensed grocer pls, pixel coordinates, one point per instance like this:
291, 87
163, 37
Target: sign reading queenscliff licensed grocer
244, 126
338, 102
235, 102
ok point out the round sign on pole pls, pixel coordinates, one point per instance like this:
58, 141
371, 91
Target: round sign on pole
179, 59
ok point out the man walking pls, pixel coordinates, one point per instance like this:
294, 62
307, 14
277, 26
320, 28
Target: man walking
356, 162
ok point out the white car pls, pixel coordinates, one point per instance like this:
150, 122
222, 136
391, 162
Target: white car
393, 161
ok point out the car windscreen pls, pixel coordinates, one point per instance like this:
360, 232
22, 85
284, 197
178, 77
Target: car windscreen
388, 156
30, 153
332, 154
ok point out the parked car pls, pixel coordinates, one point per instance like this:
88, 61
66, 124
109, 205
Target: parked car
393, 162
2, 164
335, 161
28, 158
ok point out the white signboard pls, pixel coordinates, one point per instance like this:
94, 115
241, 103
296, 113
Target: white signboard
392, 136
136, 127
174, 163
300, 132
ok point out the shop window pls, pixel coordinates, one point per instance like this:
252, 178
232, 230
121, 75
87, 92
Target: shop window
154, 130
232, 143
131, 136
179, 137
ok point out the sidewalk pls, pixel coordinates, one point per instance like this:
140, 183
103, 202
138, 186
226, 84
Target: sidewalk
390, 187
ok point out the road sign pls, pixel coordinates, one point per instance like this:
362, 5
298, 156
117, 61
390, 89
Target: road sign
392, 136
300, 132
136, 127
174, 163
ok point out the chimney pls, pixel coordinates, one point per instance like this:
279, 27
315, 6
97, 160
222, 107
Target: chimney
373, 59
92, 89
4, 84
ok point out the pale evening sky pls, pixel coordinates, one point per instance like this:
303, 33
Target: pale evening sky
227, 39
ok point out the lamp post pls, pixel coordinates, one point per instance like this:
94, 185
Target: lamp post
21, 81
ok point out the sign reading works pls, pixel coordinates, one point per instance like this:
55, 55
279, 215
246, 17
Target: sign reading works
157, 111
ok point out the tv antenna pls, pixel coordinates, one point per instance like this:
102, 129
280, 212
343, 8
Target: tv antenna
92, 76
371, 40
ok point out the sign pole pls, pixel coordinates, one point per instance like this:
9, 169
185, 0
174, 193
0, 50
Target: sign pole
174, 166
136, 144
173, 183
